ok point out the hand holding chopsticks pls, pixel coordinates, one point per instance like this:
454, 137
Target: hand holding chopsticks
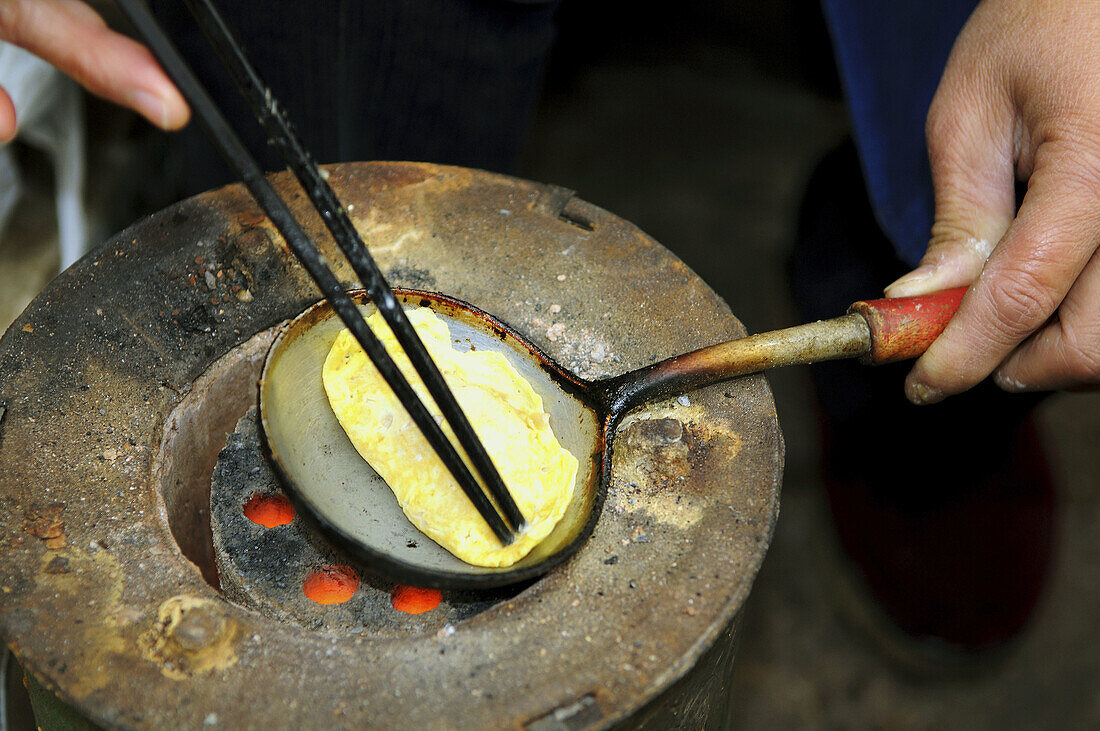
509, 520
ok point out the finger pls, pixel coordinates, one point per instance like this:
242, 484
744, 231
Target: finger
72, 37
1026, 278
971, 148
8, 122
1065, 353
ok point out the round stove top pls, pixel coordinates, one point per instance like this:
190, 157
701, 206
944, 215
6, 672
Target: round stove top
120, 382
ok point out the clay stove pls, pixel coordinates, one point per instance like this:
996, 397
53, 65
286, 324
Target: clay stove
120, 383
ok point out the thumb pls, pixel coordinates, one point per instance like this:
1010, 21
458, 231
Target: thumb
971, 150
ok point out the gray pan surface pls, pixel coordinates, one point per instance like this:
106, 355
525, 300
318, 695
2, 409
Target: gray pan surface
342, 491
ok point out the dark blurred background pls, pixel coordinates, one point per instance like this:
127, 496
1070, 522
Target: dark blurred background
701, 123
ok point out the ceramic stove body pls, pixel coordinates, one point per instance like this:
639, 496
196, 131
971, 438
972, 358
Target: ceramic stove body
120, 382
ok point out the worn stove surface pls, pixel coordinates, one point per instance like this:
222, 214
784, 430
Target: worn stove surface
112, 422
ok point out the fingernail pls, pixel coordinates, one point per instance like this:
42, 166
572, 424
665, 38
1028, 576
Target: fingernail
903, 286
922, 394
151, 106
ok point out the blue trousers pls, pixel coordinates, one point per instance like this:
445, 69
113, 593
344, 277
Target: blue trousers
890, 55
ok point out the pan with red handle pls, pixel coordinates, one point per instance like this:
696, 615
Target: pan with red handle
339, 489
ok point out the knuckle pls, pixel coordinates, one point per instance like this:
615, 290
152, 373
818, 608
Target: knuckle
940, 126
949, 232
1021, 302
964, 113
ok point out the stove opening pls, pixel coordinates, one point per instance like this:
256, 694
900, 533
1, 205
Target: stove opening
194, 434
230, 516
292, 570
413, 600
331, 584
269, 510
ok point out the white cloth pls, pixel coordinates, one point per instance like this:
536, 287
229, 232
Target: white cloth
50, 114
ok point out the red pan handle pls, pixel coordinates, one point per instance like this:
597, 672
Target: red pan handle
904, 327
896, 329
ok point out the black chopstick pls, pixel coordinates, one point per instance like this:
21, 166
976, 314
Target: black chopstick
227, 142
280, 132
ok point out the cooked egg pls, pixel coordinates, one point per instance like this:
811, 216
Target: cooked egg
505, 413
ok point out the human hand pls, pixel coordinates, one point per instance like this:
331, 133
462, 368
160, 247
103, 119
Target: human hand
1020, 96
72, 37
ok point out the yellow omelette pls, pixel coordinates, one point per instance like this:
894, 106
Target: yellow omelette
503, 409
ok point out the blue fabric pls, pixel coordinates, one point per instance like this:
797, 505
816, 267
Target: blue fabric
890, 55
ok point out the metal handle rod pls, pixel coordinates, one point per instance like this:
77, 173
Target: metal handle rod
245, 166
841, 337
877, 331
282, 136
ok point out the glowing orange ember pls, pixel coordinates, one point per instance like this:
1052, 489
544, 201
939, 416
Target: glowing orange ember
411, 600
270, 510
331, 584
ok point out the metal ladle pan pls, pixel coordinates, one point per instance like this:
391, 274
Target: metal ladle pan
341, 491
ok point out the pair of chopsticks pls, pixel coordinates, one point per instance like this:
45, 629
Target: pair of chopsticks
504, 524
